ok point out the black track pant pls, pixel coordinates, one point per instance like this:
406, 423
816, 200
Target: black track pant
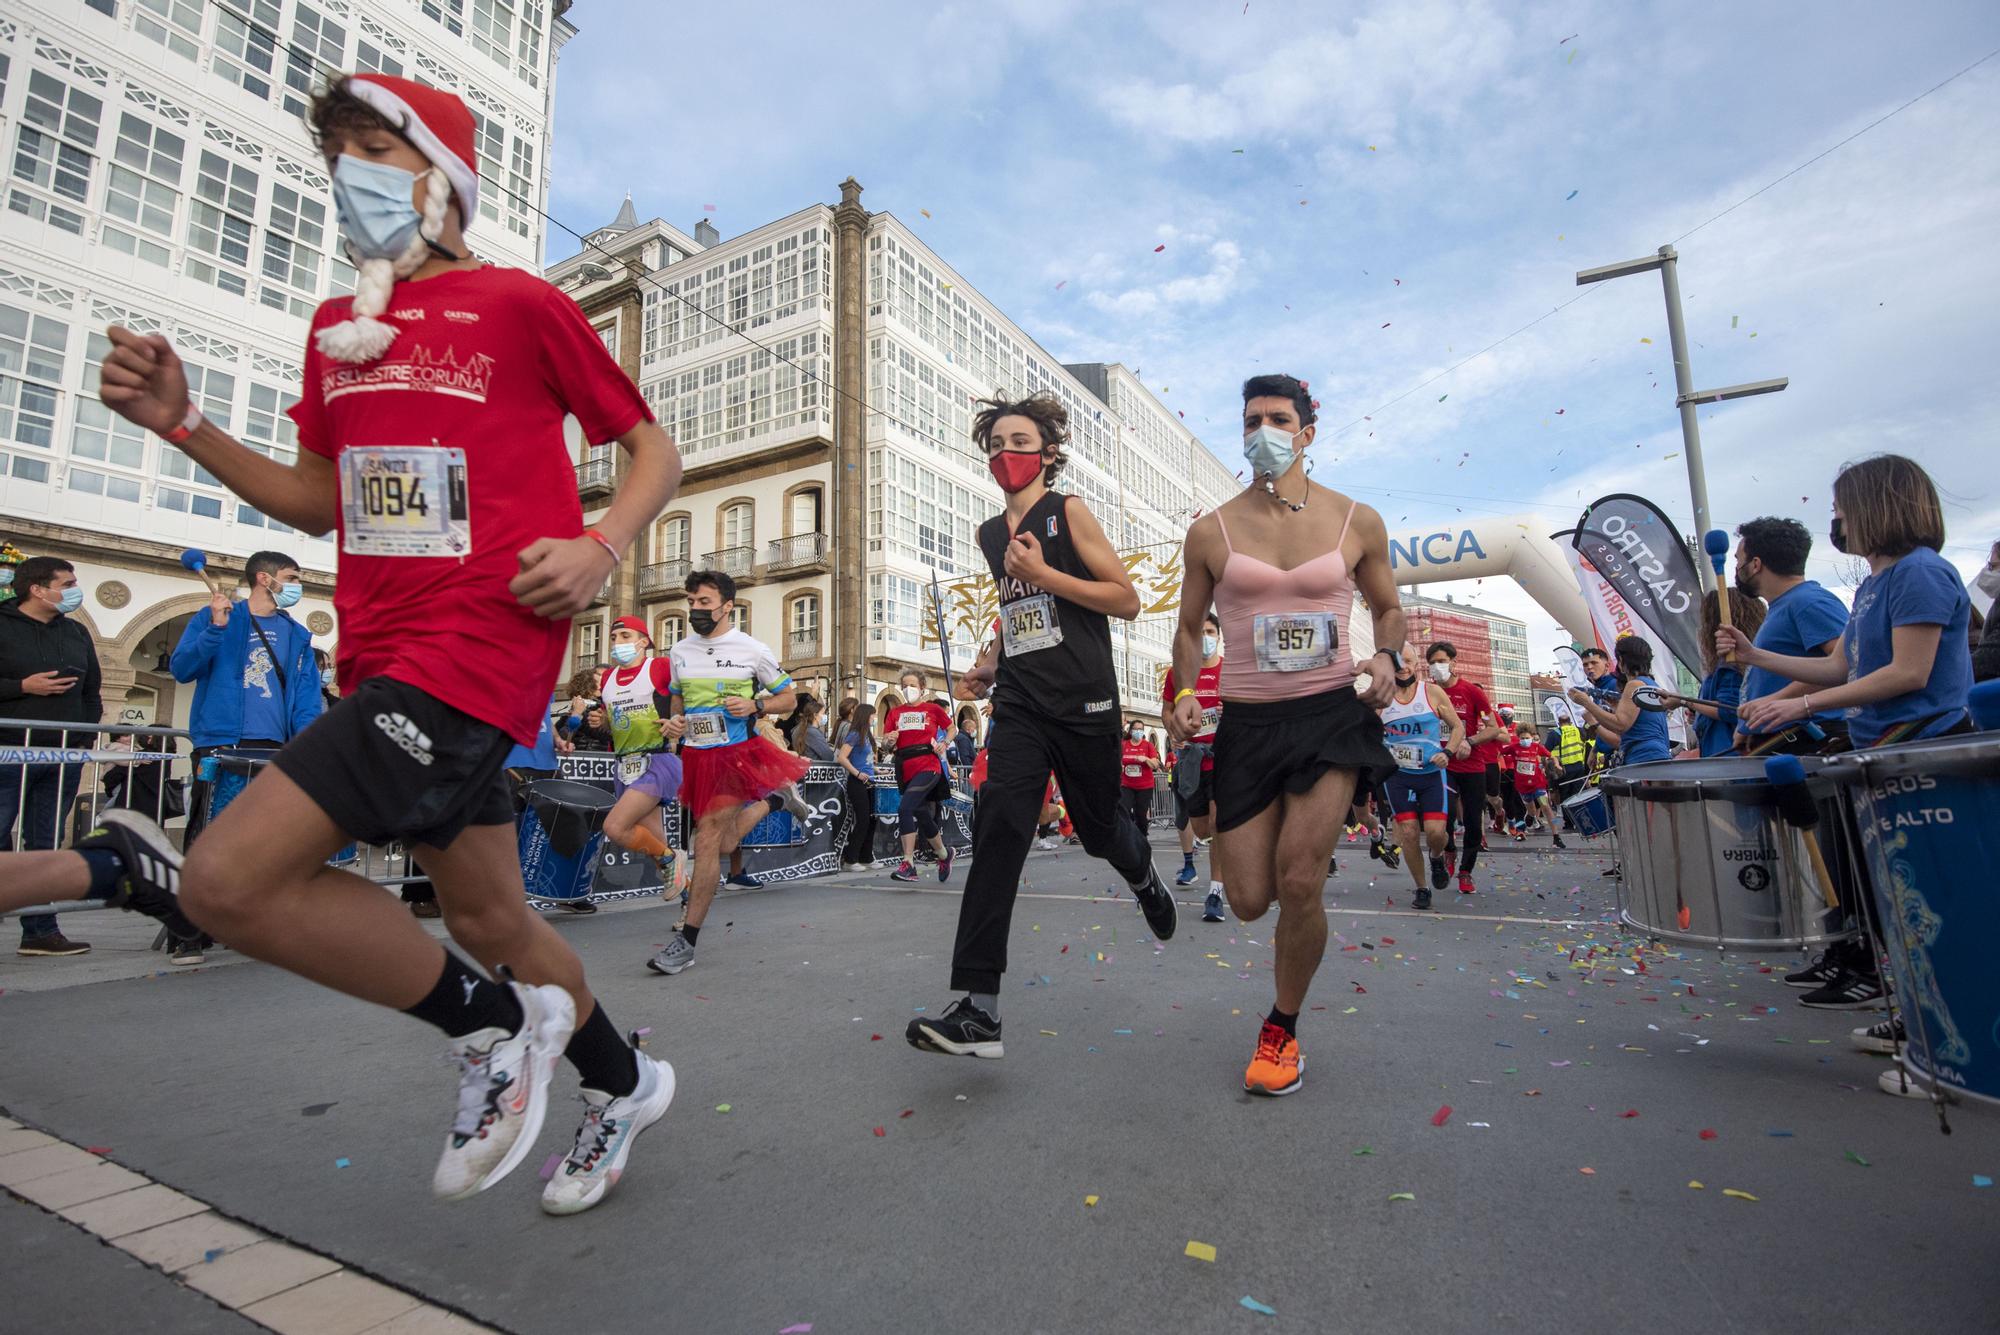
1022, 751
860, 846
1139, 806
917, 809
1470, 790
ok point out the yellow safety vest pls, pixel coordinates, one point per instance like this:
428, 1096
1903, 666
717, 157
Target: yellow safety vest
1569, 748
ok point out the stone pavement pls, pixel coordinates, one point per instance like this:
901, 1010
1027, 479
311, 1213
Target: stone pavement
1501, 1129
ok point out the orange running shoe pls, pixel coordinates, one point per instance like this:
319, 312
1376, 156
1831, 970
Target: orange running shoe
1275, 1069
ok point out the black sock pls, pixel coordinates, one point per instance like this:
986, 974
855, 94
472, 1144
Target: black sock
776, 802
690, 933
107, 869
1288, 1023
463, 1001
602, 1057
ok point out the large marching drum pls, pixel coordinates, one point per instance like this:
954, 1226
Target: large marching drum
1707, 860
1929, 816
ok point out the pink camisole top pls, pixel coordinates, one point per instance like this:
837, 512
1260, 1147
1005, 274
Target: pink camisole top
1300, 648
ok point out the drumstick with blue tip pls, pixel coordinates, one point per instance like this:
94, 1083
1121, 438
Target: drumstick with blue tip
1787, 778
197, 560
1716, 543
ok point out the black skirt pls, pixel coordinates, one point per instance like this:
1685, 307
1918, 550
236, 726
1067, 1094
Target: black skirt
1268, 748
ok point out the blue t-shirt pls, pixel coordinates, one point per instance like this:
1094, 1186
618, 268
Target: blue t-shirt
264, 713
542, 755
1922, 589
1800, 619
861, 751
1647, 739
1723, 688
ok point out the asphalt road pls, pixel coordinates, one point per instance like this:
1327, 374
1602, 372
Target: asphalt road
1506, 1063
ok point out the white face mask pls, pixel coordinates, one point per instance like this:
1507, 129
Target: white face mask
624, 654
1208, 646
1440, 673
1988, 580
910, 694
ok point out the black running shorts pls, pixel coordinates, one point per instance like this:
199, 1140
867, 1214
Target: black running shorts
1266, 749
1192, 808
391, 762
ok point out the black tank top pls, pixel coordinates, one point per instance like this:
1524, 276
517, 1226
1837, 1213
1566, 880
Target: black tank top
1055, 657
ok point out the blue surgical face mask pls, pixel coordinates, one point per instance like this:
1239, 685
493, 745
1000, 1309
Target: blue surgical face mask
72, 598
6, 576
372, 200
286, 595
624, 654
1208, 646
1270, 452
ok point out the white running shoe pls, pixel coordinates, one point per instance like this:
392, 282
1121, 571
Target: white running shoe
503, 1092
795, 804
604, 1139
1047, 845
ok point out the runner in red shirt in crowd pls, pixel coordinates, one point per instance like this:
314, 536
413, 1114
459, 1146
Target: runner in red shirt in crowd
1534, 768
917, 730
1510, 809
1140, 768
430, 431
1194, 798
1467, 774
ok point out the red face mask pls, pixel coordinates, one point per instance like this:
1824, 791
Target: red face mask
1014, 469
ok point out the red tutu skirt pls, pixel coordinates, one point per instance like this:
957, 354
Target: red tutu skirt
747, 771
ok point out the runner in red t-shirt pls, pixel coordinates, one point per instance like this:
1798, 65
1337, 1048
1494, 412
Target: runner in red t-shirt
1194, 811
1501, 800
917, 729
1139, 769
430, 429
1533, 763
1467, 770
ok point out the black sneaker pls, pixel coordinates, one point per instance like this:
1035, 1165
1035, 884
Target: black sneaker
53, 944
1849, 991
1422, 902
1377, 850
1394, 857
151, 863
186, 951
1440, 875
1211, 908
1559, 840
1158, 905
1333, 866
963, 1030
1884, 1036
1824, 968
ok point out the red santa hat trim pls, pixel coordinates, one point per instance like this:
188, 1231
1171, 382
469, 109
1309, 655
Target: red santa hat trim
438, 123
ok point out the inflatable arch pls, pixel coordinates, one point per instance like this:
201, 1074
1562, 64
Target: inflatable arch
1515, 548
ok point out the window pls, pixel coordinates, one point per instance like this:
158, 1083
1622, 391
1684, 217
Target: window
318, 44
805, 511
291, 255
369, 57
737, 524
489, 140
451, 13
142, 191
31, 368
673, 628
589, 637
52, 150
255, 518
266, 427
246, 48
174, 24
521, 187
493, 29
102, 435
671, 538
805, 622
109, 7
739, 616
214, 392
219, 223
529, 51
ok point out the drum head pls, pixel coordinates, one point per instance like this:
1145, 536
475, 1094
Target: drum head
1649, 699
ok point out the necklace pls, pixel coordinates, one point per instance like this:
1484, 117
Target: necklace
1271, 486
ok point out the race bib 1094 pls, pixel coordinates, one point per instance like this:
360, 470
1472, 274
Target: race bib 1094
404, 500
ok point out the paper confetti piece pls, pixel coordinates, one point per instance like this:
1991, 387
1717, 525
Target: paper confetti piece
1663, 458
1981, 1180
1588, 1172
1048, 1033
1852, 1157
1739, 1195
1247, 1301
549, 1165
1696, 1186
907, 1112
317, 1109
208, 1257
1733, 319
1571, 195
722, 1107
1235, 150
1629, 1112
1365, 1149
1441, 1116
1443, 397
1645, 340
1403, 1196
925, 212
1157, 249
1707, 1134
803, 1328
340, 1163
1063, 284
708, 208
1089, 1201
1200, 1251
881, 1131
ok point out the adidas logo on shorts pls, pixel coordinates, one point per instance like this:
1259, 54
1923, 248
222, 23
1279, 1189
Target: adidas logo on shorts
407, 735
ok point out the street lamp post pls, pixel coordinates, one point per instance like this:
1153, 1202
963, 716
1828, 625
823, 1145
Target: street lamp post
1686, 396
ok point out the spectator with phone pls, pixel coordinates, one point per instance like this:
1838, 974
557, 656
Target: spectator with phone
48, 674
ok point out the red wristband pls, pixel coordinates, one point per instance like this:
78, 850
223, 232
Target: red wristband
185, 429
603, 542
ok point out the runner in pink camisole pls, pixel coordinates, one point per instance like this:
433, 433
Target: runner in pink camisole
1281, 563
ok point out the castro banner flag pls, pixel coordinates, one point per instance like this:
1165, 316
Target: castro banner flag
1638, 552
1611, 618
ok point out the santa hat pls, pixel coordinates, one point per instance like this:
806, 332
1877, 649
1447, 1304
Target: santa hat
636, 626
440, 127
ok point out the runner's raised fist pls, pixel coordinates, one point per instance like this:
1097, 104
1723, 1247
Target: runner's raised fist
1024, 558
142, 380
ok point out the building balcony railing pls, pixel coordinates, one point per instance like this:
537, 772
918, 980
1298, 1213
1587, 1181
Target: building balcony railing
802, 644
593, 477
797, 554
664, 578
736, 562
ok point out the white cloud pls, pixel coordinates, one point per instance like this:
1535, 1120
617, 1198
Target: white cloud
1216, 284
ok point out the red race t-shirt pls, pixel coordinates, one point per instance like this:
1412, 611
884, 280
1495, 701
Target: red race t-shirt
914, 729
1207, 694
450, 459
1139, 758
1530, 760
1470, 703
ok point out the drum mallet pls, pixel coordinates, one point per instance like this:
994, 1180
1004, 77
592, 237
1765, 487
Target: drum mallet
197, 560
1716, 543
1787, 778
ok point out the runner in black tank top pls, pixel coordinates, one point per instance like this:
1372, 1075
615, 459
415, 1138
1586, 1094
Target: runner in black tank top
1055, 707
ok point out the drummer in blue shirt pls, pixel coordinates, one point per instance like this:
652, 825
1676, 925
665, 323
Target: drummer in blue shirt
1802, 620
1903, 668
1715, 708
1642, 733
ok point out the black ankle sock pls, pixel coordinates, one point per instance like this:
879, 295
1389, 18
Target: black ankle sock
107, 869
1288, 1023
602, 1057
463, 1001
690, 933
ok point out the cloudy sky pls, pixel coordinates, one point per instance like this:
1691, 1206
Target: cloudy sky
1415, 181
